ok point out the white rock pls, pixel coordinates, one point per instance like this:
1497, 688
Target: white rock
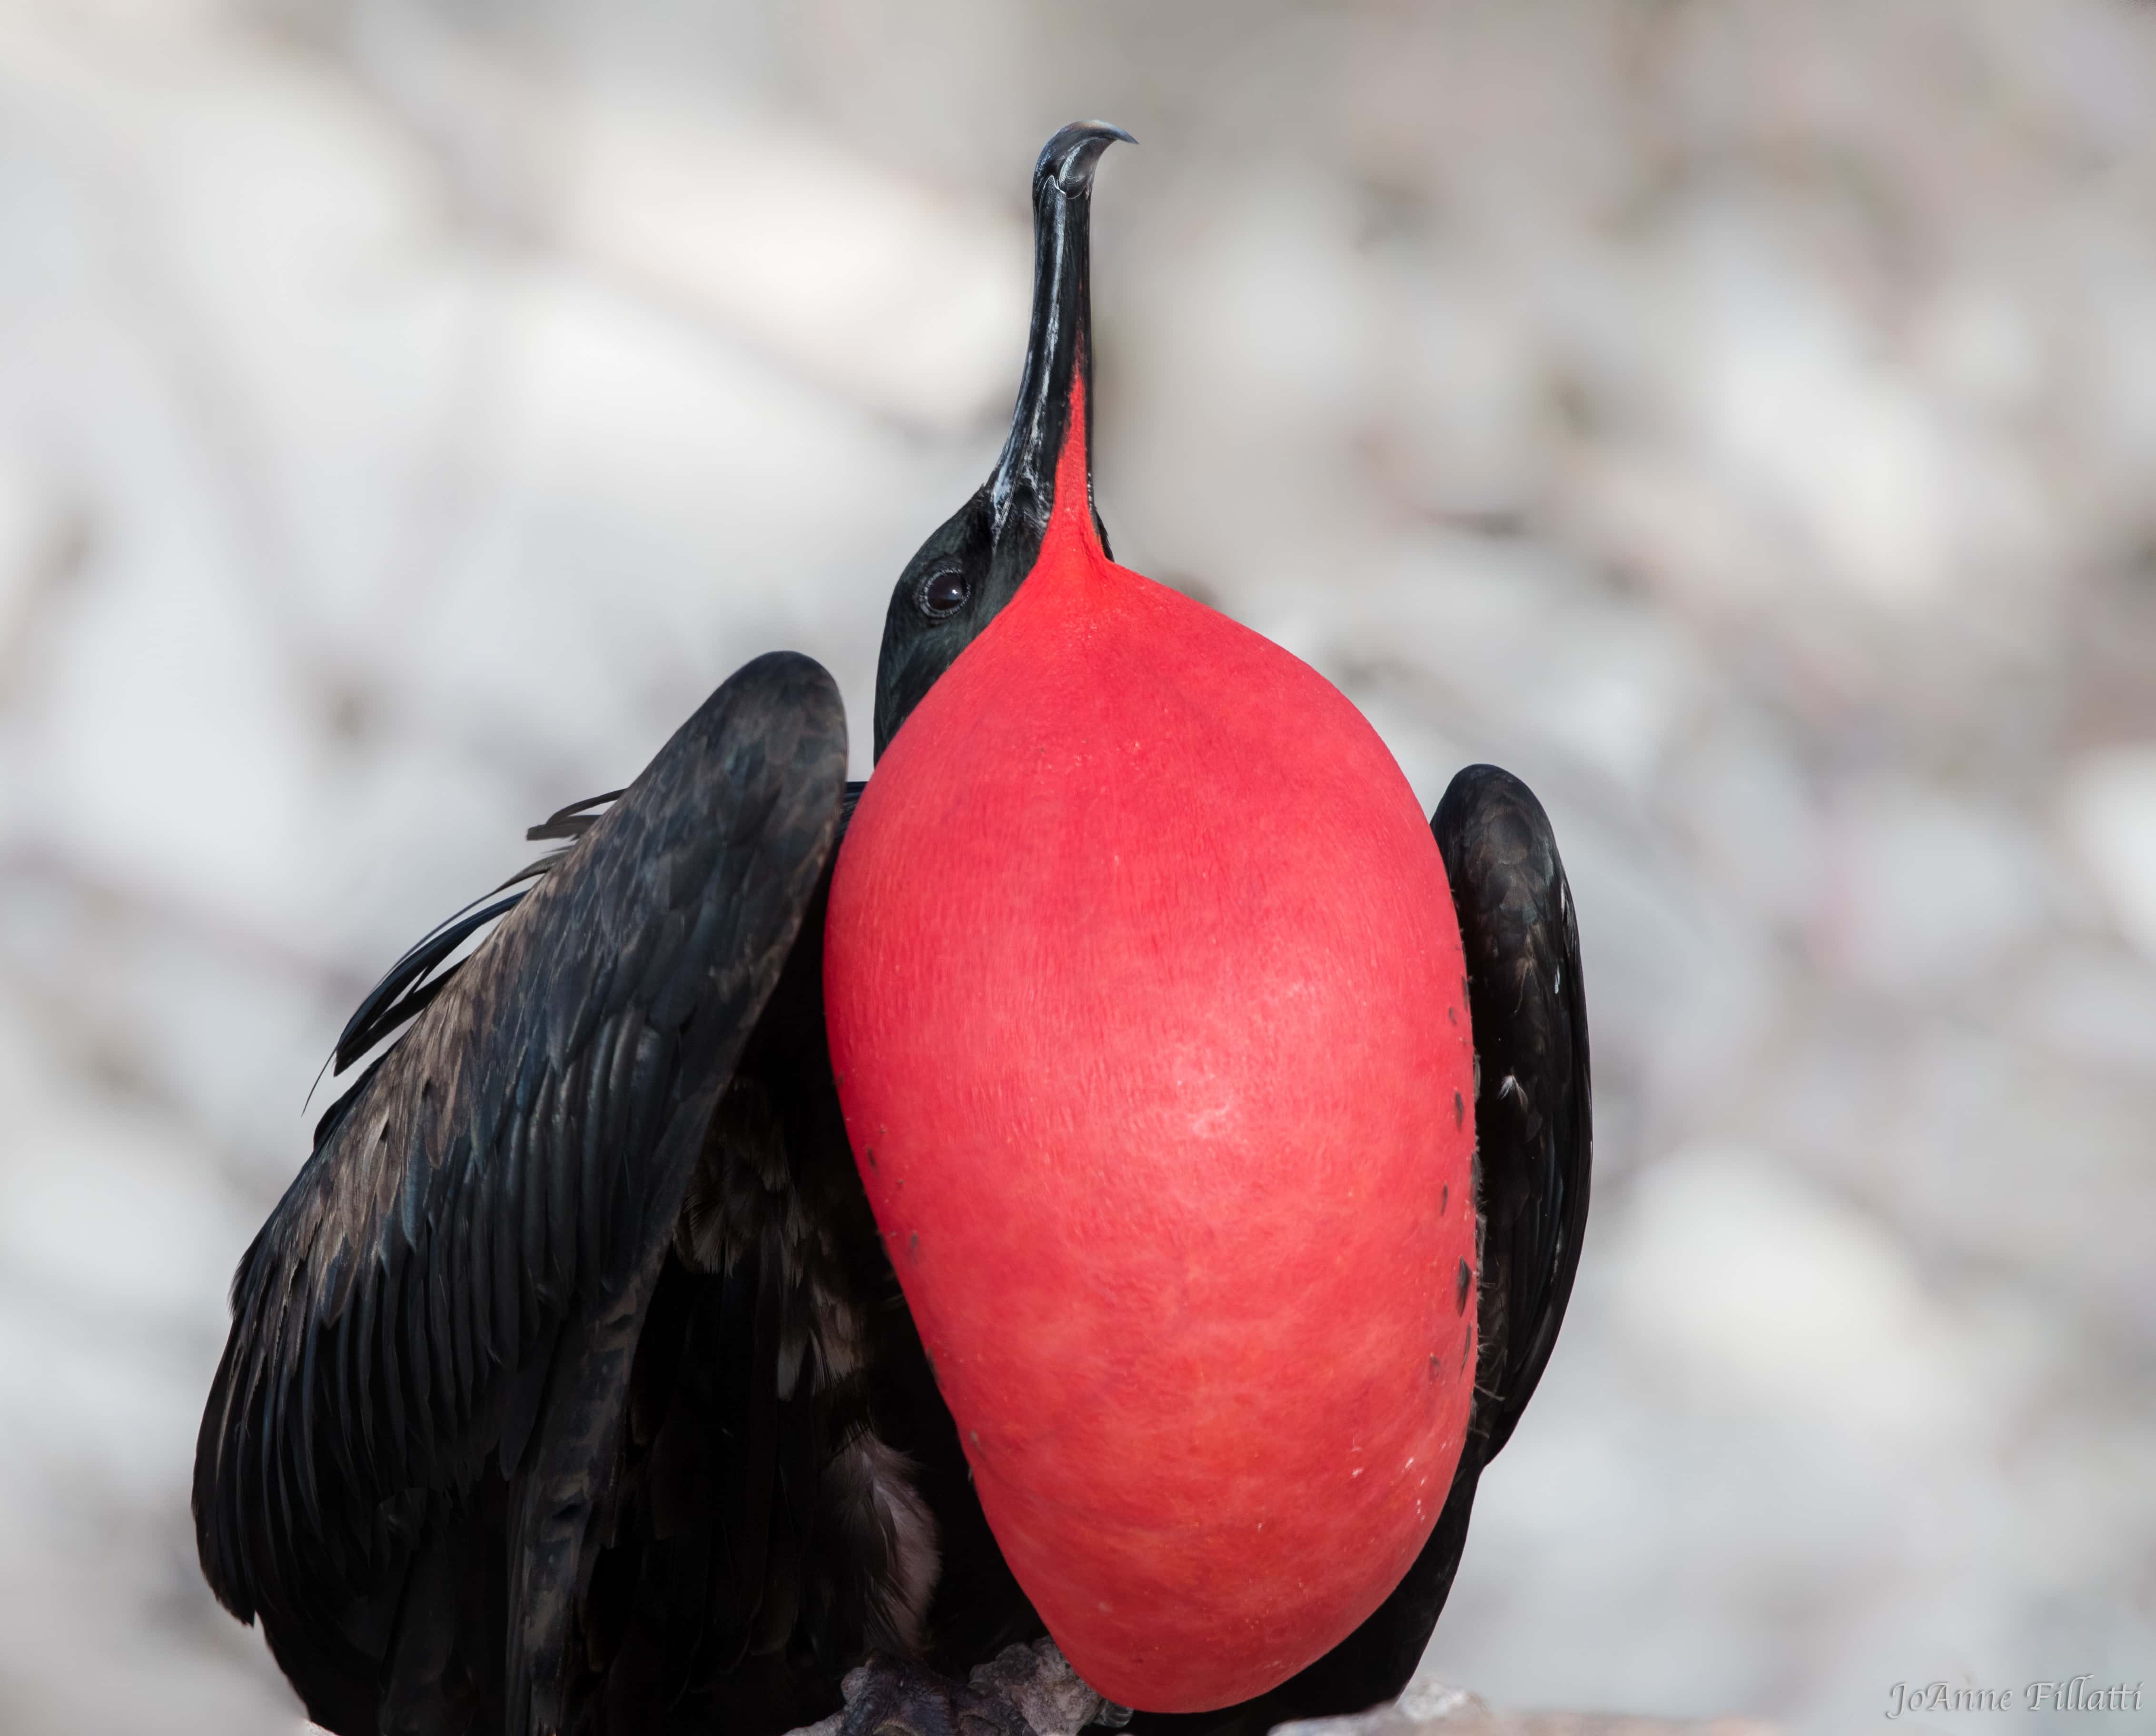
1922, 887
2109, 807
856, 273
1753, 1286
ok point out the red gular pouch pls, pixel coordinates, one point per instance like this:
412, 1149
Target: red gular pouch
1147, 1008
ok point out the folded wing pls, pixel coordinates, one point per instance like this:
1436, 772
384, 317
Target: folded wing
1533, 1115
453, 1284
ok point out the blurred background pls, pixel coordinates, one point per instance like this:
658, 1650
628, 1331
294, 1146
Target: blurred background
1737, 419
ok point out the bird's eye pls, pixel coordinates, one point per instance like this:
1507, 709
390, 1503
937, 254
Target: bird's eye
943, 594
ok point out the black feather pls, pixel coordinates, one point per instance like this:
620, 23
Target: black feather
405, 989
508, 1169
1533, 1108
574, 821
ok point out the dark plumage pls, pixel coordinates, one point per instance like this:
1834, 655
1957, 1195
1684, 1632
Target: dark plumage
569, 1387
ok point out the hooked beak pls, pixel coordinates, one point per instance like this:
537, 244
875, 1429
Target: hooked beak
1059, 351
985, 550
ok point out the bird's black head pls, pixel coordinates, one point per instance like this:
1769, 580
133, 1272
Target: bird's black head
976, 560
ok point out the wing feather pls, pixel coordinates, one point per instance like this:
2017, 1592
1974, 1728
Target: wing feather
1533, 1107
511, 1162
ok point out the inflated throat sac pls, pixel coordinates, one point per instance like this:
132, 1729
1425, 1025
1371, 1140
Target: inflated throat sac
1147, 1008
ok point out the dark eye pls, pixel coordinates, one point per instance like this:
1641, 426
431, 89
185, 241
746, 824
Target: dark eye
943, 594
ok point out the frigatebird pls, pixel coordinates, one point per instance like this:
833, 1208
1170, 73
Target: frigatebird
571, 1385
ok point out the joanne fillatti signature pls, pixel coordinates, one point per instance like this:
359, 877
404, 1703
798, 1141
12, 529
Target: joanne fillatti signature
2076, 1693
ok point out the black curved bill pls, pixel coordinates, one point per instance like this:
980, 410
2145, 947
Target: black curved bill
1059, 351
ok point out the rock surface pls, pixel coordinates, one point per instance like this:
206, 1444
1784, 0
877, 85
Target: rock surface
1433, 1709
1034, 1678
1048, 1693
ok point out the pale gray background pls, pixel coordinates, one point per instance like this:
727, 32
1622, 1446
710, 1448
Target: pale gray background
1738, 418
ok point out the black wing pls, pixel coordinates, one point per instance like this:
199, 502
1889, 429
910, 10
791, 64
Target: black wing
1533, 1131
1533, 1117
454, 1282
